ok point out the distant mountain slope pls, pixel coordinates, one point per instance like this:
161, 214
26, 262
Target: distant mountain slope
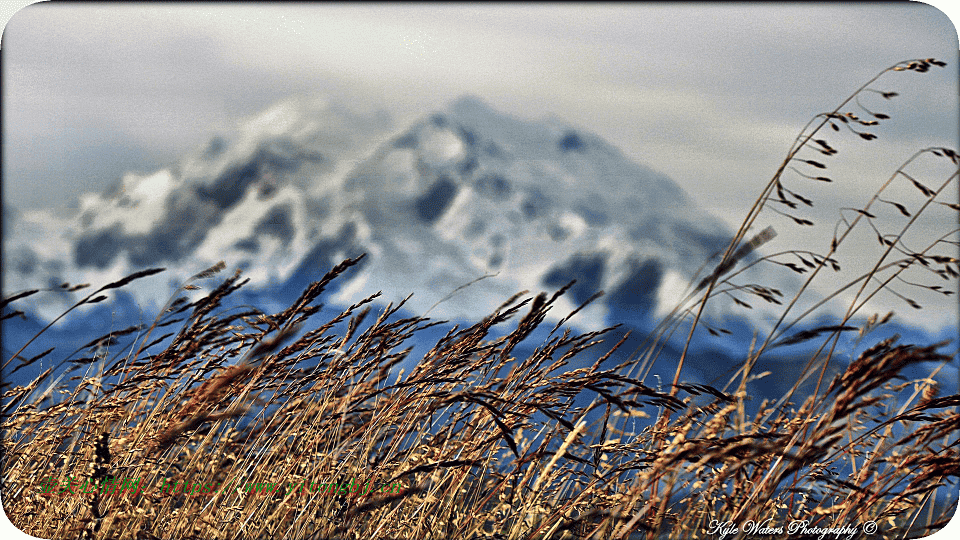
460, 194
471, 191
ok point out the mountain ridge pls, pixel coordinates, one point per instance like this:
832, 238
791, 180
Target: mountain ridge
463, 207
462, 193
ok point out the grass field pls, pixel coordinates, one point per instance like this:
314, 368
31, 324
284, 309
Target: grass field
486, 443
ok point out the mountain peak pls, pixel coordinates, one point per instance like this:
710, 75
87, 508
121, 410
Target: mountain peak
468, 103
472, 191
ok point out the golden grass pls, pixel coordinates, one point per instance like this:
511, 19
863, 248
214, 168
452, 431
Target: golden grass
486, 444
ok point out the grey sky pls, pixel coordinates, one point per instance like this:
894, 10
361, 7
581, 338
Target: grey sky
710, 95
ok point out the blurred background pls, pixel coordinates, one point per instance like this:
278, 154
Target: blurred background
510, 147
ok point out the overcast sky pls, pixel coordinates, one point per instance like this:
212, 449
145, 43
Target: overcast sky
711, 95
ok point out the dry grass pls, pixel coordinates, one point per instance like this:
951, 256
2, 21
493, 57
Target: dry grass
486, 444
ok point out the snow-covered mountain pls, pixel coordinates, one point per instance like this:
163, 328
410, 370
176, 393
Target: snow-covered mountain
463, 193
469, 192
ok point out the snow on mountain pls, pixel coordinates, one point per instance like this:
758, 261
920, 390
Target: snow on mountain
463, 193
250, 198
471, 192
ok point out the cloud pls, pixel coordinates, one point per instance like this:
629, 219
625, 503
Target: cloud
154, 82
